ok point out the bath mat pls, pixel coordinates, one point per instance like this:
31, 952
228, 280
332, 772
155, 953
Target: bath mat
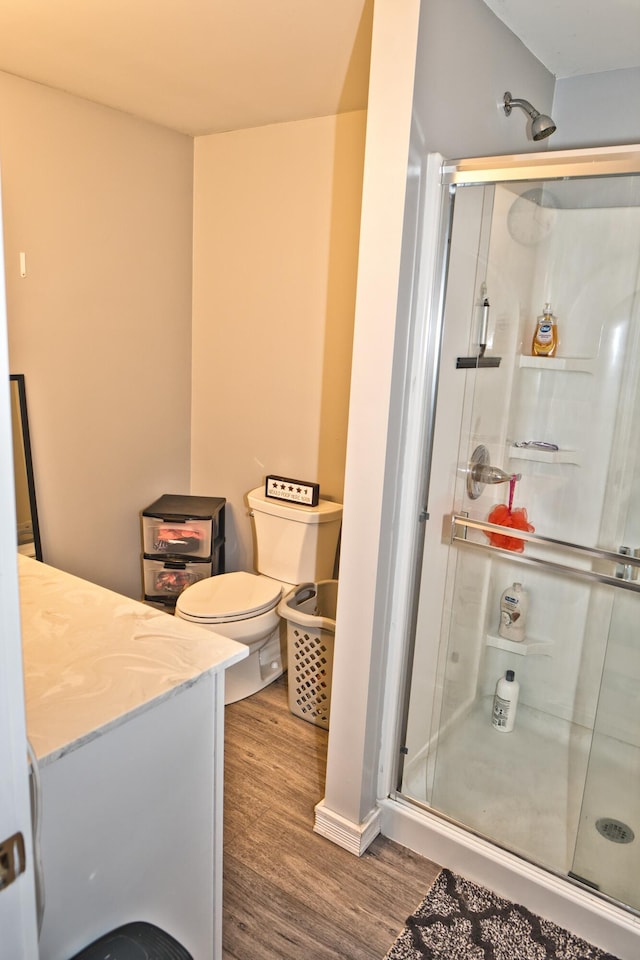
459, 920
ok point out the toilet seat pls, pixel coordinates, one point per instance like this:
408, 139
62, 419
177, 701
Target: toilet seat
229, 597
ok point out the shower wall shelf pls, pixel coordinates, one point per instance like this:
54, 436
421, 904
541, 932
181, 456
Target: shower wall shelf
523, 648
558, 364
545, 456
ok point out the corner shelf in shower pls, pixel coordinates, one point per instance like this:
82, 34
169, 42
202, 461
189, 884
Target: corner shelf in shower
545, 456
523, 648
558, 364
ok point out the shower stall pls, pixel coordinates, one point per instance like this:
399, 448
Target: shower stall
561, 791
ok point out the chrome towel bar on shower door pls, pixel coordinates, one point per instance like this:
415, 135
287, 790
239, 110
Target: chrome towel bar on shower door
455, 527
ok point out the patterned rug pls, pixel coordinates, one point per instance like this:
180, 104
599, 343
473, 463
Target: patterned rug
459, 920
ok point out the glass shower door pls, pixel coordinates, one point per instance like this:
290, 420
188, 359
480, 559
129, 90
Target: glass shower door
566, 428
607, 850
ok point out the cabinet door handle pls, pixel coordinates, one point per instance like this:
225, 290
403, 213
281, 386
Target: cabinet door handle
12, 859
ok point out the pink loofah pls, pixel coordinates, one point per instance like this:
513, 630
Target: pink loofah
516, 519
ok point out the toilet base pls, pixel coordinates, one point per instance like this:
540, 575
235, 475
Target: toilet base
263, 665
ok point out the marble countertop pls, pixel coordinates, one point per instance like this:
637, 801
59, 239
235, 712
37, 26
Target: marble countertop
93, 658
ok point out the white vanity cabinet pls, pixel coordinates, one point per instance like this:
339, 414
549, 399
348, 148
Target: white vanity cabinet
125, 716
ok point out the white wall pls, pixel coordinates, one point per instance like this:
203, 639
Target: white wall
468, 60
474, 47
277, 214
18, 903
350, 776
600, 109
101, 204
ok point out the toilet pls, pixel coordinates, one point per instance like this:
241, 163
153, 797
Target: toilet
293, 544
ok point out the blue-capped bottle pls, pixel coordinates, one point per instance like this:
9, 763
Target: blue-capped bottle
514, 605
545, 338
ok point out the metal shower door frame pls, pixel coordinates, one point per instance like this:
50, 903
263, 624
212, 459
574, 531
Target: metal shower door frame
422, 404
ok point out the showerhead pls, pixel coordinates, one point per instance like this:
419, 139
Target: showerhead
541, 125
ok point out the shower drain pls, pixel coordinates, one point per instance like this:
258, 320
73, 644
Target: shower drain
614, 830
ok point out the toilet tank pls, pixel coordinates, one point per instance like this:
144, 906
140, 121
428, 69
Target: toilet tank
294, 543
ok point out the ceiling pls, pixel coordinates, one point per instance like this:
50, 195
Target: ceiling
574, 37
197, 66
207, 66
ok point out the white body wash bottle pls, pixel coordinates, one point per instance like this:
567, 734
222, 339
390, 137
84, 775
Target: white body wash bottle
505, 703
514, 604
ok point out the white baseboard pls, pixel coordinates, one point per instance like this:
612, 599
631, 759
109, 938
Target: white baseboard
354, 837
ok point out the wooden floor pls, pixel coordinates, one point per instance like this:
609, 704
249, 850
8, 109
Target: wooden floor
289, 893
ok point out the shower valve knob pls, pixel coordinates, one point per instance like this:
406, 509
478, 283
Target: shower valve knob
481, 472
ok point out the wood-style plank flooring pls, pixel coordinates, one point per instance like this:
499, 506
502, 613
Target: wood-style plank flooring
290, 894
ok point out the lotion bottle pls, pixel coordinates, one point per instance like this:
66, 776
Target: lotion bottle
545, 338
505, 703
514, 604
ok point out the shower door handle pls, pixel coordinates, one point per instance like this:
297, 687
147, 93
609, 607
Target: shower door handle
457, 526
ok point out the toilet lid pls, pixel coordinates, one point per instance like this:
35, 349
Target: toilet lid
230, 596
